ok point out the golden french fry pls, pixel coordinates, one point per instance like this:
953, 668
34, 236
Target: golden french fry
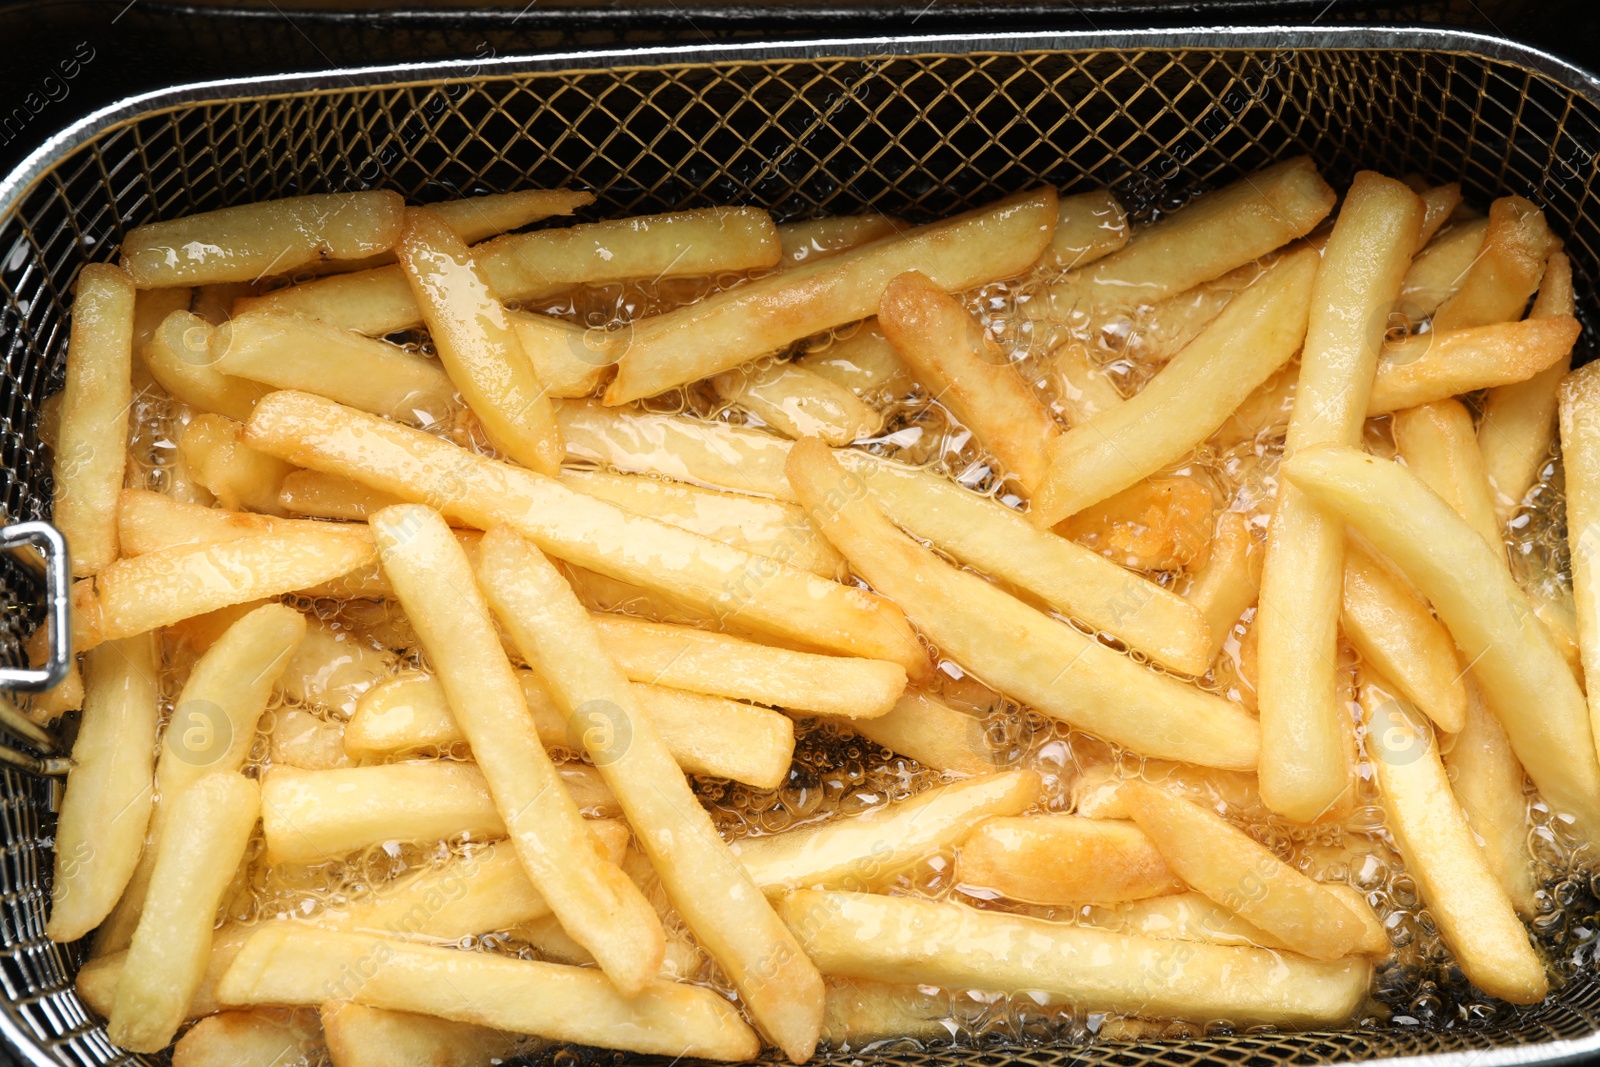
860, 852
1195, 917
595, 901
1513, 656
260, 1038
751, 591
1506, 270
1083, 386
1437, 441
1439, 202
1095, 793
861, 1012
100, 832
762, 527
329, 496
291, 352
1220, 231
1227, 865
996, 241
798, 403
476, 343
215, 453
244, 243
932, 733
1159, 524
1438, 270
297, 738
815, 239
1089, 226
1307, 756
1074, 580
1393, 629
181, 357
1063, 859
1488, 780
558, 638
1229, 582
568, 359
282, 966
1471, 909
91, 440
861, 360
901, 939
359, 1036
1428, 367
1580, 452
97, 980
1016, 648
196, 858
1519, 420
1188, 400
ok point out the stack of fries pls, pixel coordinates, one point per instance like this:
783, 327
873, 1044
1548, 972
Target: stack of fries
395, 554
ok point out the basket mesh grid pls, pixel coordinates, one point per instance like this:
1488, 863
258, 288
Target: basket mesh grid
914, 136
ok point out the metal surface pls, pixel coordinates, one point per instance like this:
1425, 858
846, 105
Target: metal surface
58, 584
914, 127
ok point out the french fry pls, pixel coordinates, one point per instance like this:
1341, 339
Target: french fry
862, 361
290, 352
1229, 583
244, 243
1439, 202
1505, 272
181, 358
214, 301
996, 241
763, 527
1095, 793
154, 522
150, 309
1513, 656
901, 939
479, 349
1195, 917
1393, 629
1084, 387
1227, 865
1438, 270
860, 1013
815, 239
1307, 763
280, 966
1269, 408
713, 454
1089, 226
751, 591
97, 980
215, 453
1187, 401
932, 733
1220, 231
595, 901
1072, 579
861, 852
297, 738
100, 832
1438, 442
1159, 524
329, 496
1580, 451
1488, 781
705, 734
798, 403
1429, 367
557, 637
1471, 909
1063, 859
568, 360
260, 1038
359, 1036
91, 441
1013, 647
196, 858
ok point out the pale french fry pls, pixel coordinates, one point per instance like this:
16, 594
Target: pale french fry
1519, 420
1013, 647
1307, 763
259, 1038
595, 901
1269, 408
92, 439
329, 496
861, 1012
359, 1036
1160, 524
711, 454
100, 832
763, 527
557, 637
280, 966
196, 858
932, 733
568, 359
1513, 656
798, 403
815, 239
862, 361
1580, 451
1063, 859
1505, 272
214, 301
1558, 610
1392, 628
291, 352
860, 852
1089, 226
1095, 793
1188, 400
139, 594
150, 309
154, 522
1488, 780
180, 357
1437, 271
1436, 366
1072, 579
1229, 583
1227, 865
298, 738
751, 591
1084, 387
214, 451
244, 243
1471, 909
477, 346
97, 981
996, 241
1439, 202
1220, 231
901, 939
1438, 443
1195, 917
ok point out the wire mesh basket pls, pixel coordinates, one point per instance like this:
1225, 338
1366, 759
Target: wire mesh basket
915, 127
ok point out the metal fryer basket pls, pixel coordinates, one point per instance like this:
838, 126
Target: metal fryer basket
917, 127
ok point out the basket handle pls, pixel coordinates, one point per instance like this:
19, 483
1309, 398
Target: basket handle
58, 577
